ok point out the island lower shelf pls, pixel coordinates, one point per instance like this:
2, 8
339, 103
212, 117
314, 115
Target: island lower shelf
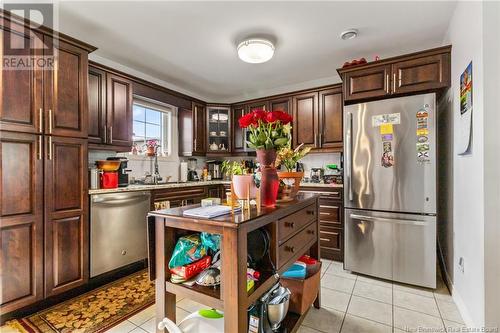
231, 296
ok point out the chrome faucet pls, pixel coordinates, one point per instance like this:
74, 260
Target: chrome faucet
156, 176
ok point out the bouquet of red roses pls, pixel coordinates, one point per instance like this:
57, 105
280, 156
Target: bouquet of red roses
268, 130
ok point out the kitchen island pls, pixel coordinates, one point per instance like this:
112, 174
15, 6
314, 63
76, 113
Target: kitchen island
293, 228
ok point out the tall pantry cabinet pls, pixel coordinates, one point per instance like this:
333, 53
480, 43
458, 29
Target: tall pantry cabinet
43, 175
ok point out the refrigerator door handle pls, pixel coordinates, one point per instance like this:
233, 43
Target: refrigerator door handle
383, 219
349, 155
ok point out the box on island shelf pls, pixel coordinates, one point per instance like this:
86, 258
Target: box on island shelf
304, 291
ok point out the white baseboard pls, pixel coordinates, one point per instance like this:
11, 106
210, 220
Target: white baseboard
464, 312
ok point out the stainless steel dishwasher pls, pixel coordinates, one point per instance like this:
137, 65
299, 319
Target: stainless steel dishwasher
117, 230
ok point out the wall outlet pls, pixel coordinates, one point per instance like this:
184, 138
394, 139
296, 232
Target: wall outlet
461, 264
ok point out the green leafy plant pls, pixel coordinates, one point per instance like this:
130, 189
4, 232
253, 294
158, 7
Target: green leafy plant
289, 157
268, 130
233, 168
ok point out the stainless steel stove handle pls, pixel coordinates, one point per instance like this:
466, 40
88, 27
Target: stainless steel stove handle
383, 219
349, 156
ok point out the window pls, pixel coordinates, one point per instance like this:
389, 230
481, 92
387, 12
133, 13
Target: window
152, 122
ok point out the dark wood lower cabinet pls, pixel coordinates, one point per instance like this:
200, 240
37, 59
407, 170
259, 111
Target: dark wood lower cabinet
331, 219
66, 222
21, 220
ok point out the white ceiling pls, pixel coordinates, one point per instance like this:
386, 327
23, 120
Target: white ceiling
192, 45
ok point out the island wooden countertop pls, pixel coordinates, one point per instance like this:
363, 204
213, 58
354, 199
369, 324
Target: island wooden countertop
236, 220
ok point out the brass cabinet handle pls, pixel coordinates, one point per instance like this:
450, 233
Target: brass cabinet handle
310, 212
110, 134
105, 136
320, 140
387, 83
325, 239
195, 145
50, 148
290, 249
40, 120
394, 82
50, 121
324, 213
39, 148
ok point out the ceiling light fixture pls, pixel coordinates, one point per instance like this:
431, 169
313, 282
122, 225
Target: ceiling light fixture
349, 34
255, 51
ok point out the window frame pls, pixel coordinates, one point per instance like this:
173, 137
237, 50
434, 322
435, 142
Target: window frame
166, 127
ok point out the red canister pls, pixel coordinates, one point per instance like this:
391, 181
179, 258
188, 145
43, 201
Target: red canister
109, 179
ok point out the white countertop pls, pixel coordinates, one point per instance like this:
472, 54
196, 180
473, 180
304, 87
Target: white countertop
188, 184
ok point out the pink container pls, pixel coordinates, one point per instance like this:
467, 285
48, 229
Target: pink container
241, 184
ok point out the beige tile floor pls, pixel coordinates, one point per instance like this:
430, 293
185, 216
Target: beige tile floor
351, 304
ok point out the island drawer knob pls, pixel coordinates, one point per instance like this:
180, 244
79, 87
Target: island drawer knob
310, 231
310, 212
289, 224
290, 249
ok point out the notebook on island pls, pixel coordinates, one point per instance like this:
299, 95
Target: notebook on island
209, 211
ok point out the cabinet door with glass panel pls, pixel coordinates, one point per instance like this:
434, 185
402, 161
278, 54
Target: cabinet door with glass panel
218, 125
152, 128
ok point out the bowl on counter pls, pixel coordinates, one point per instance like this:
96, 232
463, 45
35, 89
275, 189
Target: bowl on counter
105, 165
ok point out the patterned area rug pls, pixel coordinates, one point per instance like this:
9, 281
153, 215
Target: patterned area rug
95, 311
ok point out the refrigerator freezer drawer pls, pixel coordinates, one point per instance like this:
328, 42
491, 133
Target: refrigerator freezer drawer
393, 246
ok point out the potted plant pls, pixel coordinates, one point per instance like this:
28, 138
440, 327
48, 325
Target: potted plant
242, 181
269, 131
151, 146
290, 179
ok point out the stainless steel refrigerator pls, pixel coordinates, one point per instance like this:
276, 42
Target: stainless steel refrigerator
390, 189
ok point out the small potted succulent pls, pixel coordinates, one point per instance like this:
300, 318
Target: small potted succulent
290, 179
242, 181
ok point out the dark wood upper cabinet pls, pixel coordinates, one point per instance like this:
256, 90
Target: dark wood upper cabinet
430, 72
237, 112
199, 136
281, 104
367, 83
331, 118
65, 96
21, 104
305, 119
191, 124
66, 225
414, 73
264, 105
185, 125
119, 110
97, 106
21, 220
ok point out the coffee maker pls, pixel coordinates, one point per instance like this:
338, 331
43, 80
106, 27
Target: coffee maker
214, 169
192, 175
122, 170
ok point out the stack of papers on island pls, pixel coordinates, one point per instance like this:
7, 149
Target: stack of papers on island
209, 211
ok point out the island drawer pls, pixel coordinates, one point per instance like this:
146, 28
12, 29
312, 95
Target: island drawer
291, 224
294, 245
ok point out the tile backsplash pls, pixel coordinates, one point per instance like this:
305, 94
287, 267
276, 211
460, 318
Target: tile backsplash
140, 164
